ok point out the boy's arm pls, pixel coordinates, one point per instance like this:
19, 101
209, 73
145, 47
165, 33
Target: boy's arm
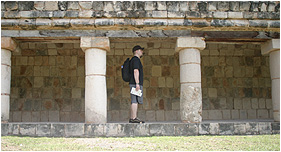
136, 76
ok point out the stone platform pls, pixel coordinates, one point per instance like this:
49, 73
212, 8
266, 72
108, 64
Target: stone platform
120, 129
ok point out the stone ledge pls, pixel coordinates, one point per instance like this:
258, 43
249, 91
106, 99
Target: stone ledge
120, 24
133, 130
177, 6
208, 35
138, 14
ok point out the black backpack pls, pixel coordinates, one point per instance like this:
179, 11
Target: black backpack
125, 68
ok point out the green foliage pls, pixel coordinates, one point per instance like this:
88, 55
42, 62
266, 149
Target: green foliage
164, 143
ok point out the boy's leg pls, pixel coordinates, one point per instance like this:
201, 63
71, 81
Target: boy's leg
134, 110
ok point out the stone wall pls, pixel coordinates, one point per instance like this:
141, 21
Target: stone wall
44, 15
48, 82
236, 82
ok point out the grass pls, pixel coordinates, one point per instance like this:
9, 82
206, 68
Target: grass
164, 143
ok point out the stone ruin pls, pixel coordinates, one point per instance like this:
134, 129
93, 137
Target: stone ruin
204, 60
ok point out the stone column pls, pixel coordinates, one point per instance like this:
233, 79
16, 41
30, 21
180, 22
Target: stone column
190, 78
95, 49
7, 45
272, 48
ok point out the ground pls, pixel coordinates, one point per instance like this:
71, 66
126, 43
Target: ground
164, 143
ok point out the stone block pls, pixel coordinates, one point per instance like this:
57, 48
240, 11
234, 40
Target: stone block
226, 114
4, 129
10, 5
58, 130
198, 43
74, 130
72, 5
235, 114
212, 6
160, 116
39, 5
252, 128
264, 128
43, 130
54, 116
214, 128
161, 129
239, 129
27, 129
111, 129
244, 6
51, 5
125, 130
226, 128
234, 15
150, 115
223, 6
94, 130
238, 103
221, 23
95, 42
86, 5
262, 114
204, 129
212, 92
141, 129
234, 6
220, 14
26, 116
156, 71
275, 126
8, 43
252, 114
258, 23
215, 114
25, 5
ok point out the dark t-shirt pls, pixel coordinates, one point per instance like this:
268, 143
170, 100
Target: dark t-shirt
136, 64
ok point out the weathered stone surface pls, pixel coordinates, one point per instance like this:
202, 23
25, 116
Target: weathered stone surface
264, 128
191, 104
62, 5
258, 23
43, 130
161, 130
141, 129
193, 43
252, 128
10, 5
204, 129
74, 130
8, 43
239, 129
58, 130
94, 130
275, 128
27, 129
25, 5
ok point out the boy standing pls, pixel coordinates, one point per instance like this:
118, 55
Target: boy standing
136, 81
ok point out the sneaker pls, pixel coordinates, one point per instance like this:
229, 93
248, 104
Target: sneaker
136, 120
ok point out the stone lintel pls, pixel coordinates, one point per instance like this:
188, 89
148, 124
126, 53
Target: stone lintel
8, 43
95, 42
270, 46
190, 42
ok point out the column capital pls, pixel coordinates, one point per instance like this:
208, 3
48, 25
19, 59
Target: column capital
270, 46
95, 42
190, 42
8, 43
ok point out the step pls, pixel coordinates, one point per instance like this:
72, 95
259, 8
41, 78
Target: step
59, 129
